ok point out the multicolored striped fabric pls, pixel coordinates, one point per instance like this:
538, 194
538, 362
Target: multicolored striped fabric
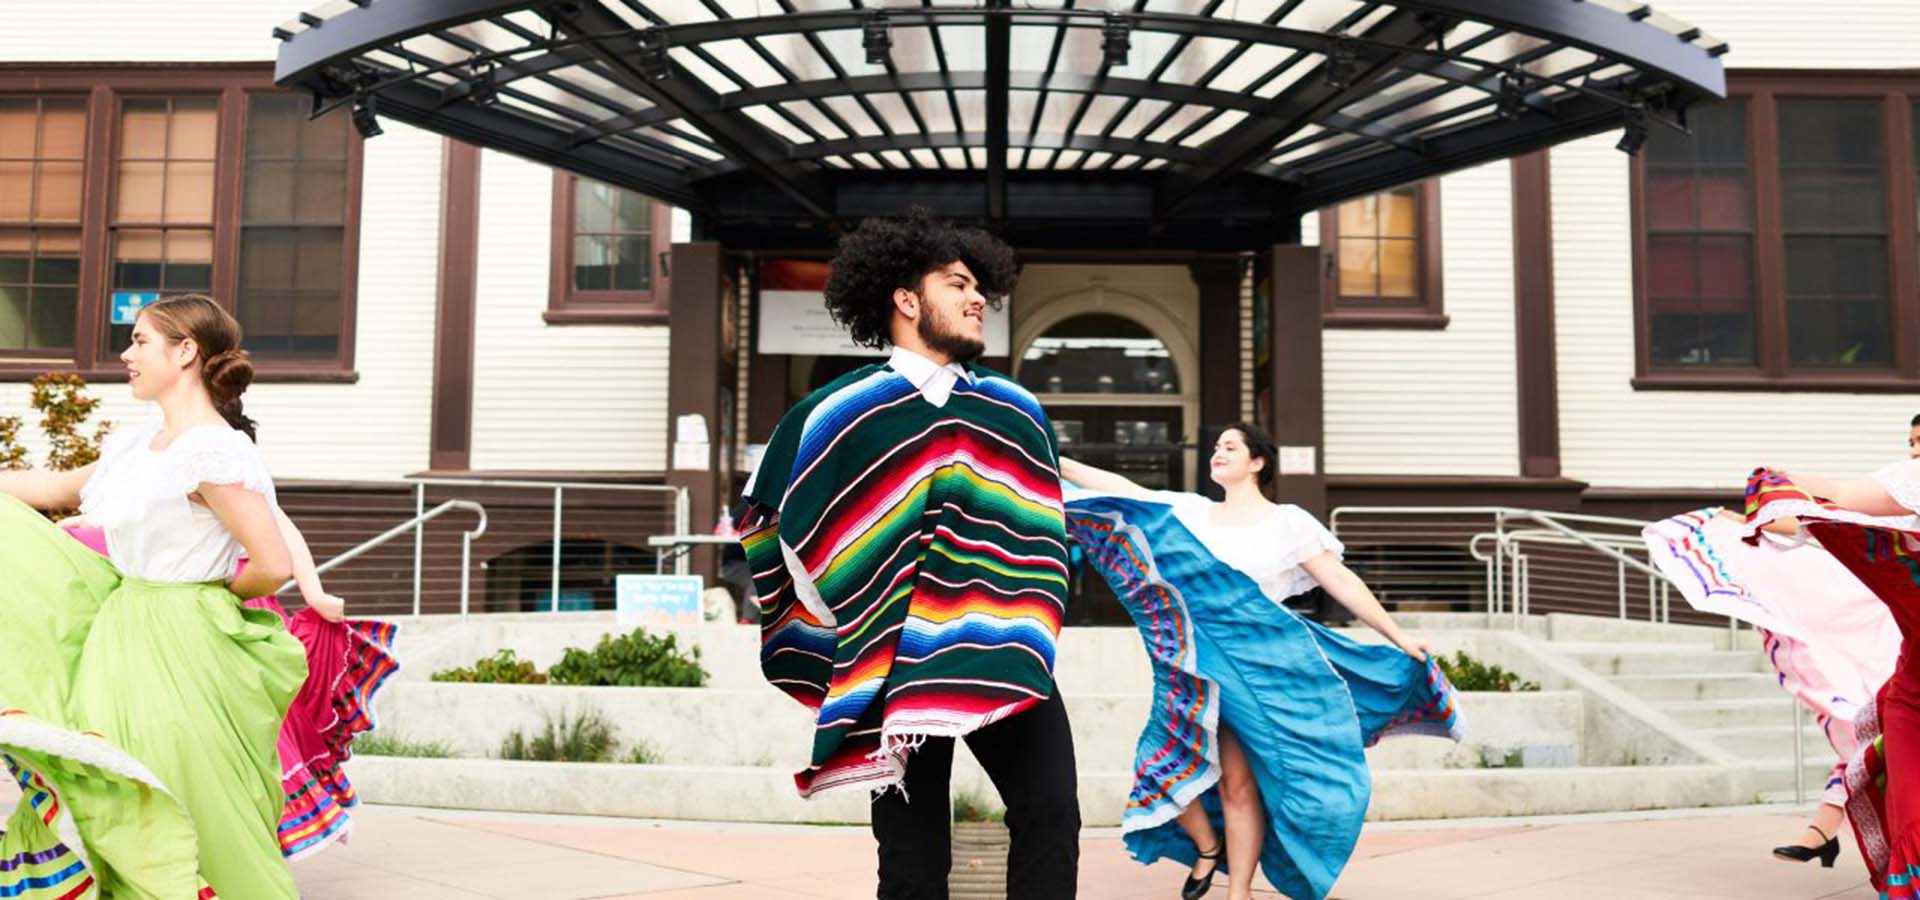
1304, 701
932, 559
1830, 641
1885, 555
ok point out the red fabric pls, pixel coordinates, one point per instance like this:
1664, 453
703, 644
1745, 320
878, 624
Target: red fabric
347, 662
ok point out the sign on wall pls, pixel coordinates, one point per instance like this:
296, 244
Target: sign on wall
794, 318
657, 600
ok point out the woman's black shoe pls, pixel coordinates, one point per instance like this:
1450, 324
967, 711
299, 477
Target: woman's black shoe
1196, 888
1826, 853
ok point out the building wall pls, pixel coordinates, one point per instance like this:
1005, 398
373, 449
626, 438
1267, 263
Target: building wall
377, 427
144, 31
1614, 436
553, 397
1436, 402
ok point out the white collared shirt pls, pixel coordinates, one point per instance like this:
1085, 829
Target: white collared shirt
934, 381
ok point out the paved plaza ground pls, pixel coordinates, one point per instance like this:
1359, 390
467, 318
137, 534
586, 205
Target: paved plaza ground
424, 854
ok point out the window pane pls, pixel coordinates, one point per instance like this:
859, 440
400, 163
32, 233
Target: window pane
63, 129
592, 263
1400, 212
1098, 353
19, 123
319, 262
55, 315
1359, 217
633, 272
1834, 219
189, 197
189, 261
194, 130
16, 189
1399, 269
58, 196
592, 206
137, 260
273, 126
636, 213
140, 191
269, 192
16, 256
1359, 267
15, 307
143, 128
1670, 200
320, 193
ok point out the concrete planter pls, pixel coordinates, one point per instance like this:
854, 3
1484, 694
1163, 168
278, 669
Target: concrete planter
979, 861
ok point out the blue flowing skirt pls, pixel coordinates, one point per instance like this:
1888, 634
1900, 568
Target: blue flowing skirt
1304, 701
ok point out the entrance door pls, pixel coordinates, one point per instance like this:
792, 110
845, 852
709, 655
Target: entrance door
1142, 443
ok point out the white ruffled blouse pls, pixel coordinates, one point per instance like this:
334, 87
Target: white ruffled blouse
1902, 482
1269, 552
138, 497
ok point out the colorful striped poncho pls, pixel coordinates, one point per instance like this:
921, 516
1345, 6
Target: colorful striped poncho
932, 565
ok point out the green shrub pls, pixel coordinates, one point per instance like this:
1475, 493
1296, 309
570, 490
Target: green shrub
636, 660
971, 807
583, 737
382, 743
500, 668
1469, 674
644, 753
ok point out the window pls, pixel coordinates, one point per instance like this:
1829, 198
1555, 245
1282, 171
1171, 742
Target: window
293, 224
42, 145
1772, 242
1382, 258
134, 181
1098, 353
608, 250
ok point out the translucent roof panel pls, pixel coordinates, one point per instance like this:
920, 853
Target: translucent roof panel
791, 111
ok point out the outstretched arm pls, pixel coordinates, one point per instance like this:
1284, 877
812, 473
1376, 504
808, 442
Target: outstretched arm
1101, 480
1354, 594
305, 572
46, 489
1862, 495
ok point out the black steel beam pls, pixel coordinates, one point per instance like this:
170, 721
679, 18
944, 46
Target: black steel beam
939, 140
1310, 98
691, 100
999, 65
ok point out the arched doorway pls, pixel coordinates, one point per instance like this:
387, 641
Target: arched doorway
1118, 399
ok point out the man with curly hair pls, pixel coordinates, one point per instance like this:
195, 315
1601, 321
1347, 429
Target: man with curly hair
909, 552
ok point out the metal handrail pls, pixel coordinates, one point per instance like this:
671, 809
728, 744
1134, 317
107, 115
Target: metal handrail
415, 525
682, 519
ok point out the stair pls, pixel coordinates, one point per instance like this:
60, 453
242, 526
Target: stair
1730, 698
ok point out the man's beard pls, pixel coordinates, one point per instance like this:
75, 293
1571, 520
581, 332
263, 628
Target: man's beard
948, 342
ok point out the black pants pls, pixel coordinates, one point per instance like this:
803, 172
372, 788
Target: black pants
1030, 759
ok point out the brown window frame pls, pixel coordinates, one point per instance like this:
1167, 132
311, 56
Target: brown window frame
568, 306
1897, 93
1428, 311
103, 87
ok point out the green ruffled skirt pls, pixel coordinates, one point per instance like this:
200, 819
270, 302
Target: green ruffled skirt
140, 721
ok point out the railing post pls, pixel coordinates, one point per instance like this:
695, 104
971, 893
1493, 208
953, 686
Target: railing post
683, 523
1666, 603
419, 540
553, 599
1653, 601
1620, 581
466, 573
1799, 756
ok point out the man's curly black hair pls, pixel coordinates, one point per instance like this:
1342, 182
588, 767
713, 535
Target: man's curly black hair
884, 254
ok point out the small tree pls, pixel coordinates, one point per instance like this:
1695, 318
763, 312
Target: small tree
65, 405
12, 454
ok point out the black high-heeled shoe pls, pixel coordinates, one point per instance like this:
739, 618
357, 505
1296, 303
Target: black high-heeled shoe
1826, 853
1195, 888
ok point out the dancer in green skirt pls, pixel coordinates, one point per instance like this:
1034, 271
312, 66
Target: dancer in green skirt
139, 701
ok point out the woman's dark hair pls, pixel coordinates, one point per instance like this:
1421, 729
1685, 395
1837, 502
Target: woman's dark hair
226, 369
1259, 446
1915, 423
883, 255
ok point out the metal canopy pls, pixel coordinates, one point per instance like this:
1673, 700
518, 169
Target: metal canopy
1209, 124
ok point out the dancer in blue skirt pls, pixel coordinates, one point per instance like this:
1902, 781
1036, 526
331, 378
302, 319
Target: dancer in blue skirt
1260, 717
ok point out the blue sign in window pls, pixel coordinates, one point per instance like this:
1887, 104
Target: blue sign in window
127, 305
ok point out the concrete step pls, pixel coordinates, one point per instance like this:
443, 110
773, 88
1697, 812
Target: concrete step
766, 794
1661, 659
762, 727
1713, 714
1777, 774
1663, 688
1770, 741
